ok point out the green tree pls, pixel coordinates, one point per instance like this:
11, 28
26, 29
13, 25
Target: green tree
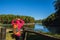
7, 18
53, 21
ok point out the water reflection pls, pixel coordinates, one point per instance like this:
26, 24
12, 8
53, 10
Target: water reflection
37, 27
40, 28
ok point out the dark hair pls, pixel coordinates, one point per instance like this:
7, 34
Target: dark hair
14, 21
20, 22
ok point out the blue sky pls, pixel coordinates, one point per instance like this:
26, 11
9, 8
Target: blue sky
39, 9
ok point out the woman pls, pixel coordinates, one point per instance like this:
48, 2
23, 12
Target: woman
17, 25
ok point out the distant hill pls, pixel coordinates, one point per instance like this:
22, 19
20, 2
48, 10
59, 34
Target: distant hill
6, 19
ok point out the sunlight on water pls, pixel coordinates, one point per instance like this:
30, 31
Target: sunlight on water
40, 28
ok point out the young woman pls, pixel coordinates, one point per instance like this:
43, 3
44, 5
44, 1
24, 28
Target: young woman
17, 25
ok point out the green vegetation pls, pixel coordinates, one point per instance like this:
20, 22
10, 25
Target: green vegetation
53, 21
49, 20
6, 19
8, 36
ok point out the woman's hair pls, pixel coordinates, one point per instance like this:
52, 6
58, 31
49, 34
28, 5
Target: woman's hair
20, 21
14, 21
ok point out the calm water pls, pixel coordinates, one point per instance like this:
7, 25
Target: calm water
40, 28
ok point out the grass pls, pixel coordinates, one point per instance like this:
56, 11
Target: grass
8, 36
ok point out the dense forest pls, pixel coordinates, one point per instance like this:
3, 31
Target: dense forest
6, 19
53, 21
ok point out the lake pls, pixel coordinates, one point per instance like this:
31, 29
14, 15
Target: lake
40, 28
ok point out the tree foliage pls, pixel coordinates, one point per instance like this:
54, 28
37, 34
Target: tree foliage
8, 18
53, 21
